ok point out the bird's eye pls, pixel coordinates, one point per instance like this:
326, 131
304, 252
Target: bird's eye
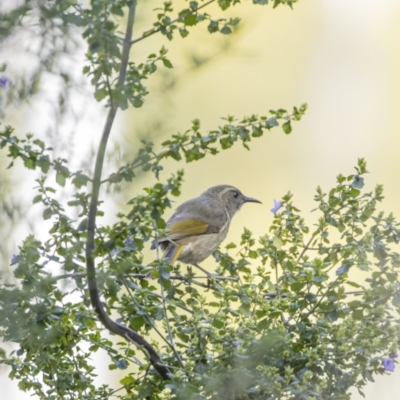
235, 194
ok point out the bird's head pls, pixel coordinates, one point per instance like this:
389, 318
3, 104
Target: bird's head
229, 197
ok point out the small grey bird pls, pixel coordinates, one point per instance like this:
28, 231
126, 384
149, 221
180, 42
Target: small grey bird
198, 226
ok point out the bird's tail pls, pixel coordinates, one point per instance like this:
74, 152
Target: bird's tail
172, 252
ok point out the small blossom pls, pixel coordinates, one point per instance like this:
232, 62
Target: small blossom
5, 83
128, 242
230, 343
356, 177
393, 355
14, 259
277, 205
388, 364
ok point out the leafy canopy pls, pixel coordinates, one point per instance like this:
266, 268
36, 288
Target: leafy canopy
282, 317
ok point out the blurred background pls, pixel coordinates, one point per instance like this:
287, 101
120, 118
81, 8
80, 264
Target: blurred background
340, 57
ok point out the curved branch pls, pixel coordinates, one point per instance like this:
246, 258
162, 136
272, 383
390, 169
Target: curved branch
112, 326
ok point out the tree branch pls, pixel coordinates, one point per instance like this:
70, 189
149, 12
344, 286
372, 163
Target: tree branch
112, 326
153, 31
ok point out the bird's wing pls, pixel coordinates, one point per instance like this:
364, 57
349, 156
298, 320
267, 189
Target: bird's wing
196, 218
191, 219
178, 228
181, 228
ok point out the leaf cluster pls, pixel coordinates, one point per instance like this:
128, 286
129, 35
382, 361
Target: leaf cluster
283, 316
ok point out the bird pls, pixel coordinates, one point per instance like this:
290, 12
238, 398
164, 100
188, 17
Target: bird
199, 225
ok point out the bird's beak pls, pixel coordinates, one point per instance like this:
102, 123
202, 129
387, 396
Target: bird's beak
251, 200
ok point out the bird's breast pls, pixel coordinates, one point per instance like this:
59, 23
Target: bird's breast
198, 248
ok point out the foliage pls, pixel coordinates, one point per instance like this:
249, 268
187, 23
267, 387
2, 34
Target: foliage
282, 317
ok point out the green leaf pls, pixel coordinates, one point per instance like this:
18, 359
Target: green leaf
82, 227
184, 32
137, 102
60, 178
217, 323
47, 213
44, 163
396, 299
224, 4
263, 324
190, 19
37, 198
257, 131
344, 269
358, 182
332, 316
233, 21
297, 286
80, 180
117, 11
166, 63
226, 30
194, 5
358, 314
213, 26
164, 272
94, 47
100, 94
127, 381
287, 127
354, 192
121, 364
271, 122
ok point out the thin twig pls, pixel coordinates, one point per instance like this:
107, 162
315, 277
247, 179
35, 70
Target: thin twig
307, 246
171, 338
175, 304
153, 31
146, 276
149, 320
162, 154
348, 309
320, 300
171, 344
273, 295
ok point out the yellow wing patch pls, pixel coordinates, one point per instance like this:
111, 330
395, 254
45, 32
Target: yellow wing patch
186, 228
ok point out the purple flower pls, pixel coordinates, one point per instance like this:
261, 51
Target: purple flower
14, 259
388, 364
230, 343
5, 83
393, 355
277, 205
128, 241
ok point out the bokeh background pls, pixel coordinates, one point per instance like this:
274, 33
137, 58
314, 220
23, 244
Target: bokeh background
341, 57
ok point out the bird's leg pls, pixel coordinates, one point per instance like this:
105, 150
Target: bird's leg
202, 269
206, 272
